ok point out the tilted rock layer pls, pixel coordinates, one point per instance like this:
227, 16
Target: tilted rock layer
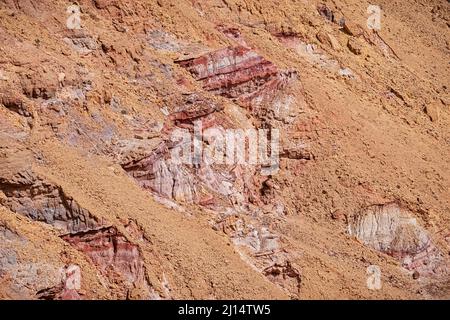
100, 102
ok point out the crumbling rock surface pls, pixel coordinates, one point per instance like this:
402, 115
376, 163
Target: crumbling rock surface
194, 180
81, 42
285, 275
393, 230
316, 56
111, 252
231, 71
66, 290
162, 176
24, 274
196, 108
362, 116
261, 248
41, 201
355, 30
241, 74
331, 15
28, 195
25, 193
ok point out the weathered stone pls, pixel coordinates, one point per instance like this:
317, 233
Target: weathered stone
65, 290
286, 275
432, 110
194, 109
250, 80
81, 42
102, 4
353, 29
325, 12
323, 38
328, 40
48, 203
297, 151
109, 249
163, 177
354, 46
393, 230
338, 215
6, 234
14, 102
233, 34
162, 40
334, 42
231, 71
376, 40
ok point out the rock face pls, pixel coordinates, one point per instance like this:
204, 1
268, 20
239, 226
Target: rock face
111, 252
391, 229
160, 172
354, 46
89, 150
28, 273
42, 201
262, 248
316, 56
331, 15
66, 290
25, 193
232, 71
240, 74
273, 98
45, 202
432, 110
195, 108
165, 178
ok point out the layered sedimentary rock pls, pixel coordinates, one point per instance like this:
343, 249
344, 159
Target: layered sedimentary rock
183, 182
231, 71
170, 170
111, 94
66, 289
24, 274
39, 200
24, 192
393, 230
105, 246
253, 82
195, 108
45, 202
262, 248
111, 252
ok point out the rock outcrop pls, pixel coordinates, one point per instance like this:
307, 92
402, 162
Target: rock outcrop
112, 253
41, 201
393, 230
127, 135
231, 72
245, 77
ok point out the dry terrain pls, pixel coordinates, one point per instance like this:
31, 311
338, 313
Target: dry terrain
93, 204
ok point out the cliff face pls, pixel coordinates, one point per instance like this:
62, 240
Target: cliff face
116, 121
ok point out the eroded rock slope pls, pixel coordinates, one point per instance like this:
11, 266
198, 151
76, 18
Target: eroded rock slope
93, 99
